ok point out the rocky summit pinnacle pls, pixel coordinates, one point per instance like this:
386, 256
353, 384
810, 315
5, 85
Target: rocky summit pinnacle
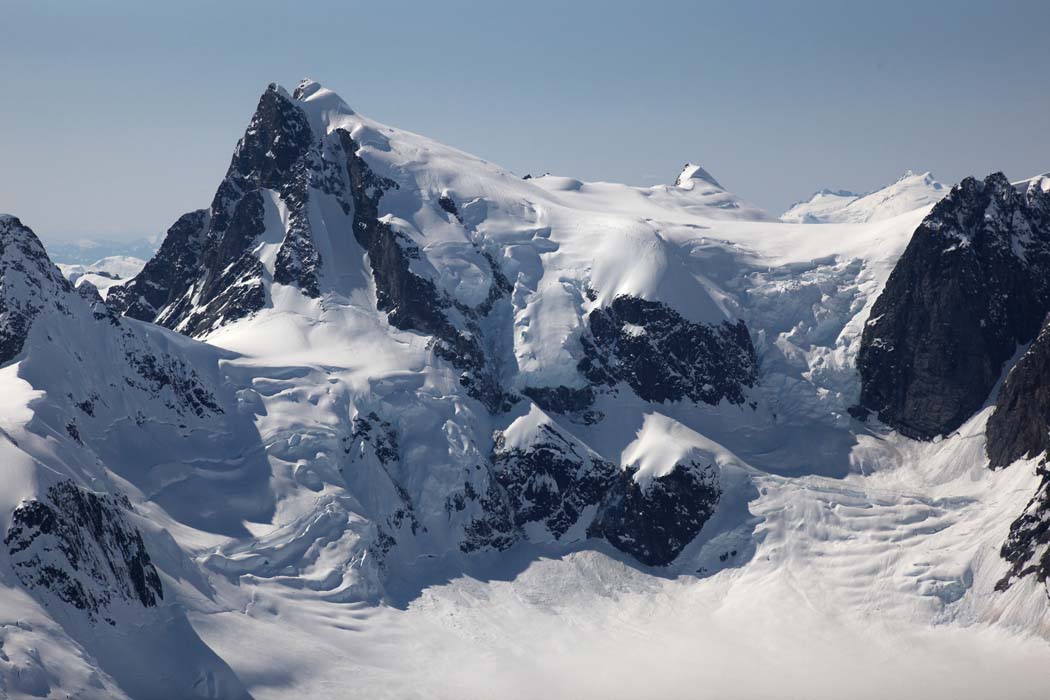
206, 272
690, 173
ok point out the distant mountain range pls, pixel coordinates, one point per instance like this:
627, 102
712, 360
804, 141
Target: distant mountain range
85, 251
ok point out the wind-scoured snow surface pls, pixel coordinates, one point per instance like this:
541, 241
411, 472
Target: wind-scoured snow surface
441, 431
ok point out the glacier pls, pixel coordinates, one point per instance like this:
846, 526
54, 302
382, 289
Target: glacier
387, 419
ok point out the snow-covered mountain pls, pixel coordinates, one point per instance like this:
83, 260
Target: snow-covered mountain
910, 192
85, 251
823, 204
103, 273
444, 431
86, 574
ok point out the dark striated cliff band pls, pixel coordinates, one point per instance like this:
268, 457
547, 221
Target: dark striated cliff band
972, 285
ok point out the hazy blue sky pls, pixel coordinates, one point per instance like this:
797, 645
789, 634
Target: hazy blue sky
118, 116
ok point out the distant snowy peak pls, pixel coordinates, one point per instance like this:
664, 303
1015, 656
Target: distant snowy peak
104, 273
818, 208
838, 193
1040, 182
693, 172
697, 191
87, 251
910, 192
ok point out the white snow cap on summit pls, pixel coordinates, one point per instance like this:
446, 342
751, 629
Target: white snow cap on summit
312, 92
663, 444
691, 172
306, 88
1040, 181
324, 108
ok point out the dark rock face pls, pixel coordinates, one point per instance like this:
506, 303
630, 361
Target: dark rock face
449, 205
664, 357
1020, 429
229, 291
973, 284
660, 354
1027, 548
89, 292
168, 274
29, 283
557, 482
552, 482
566, 400
492, 524
205, 273
380, 434
156, 373
1020, 426
654, 522
412, 302
78, 547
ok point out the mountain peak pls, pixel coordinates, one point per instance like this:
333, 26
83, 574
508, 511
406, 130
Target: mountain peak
691, 172
827, 191
306, 88
908, 192
925, 177
276, 89
14, 232
320, 103
29, 283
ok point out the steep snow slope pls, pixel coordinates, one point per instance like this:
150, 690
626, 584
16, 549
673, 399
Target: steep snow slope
470, 424
84, 570
910, 192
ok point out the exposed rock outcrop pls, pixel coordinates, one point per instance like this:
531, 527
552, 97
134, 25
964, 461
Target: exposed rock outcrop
30, 282
555, 484
663, 356
206, 272
1020, 426
1020, 429
654, 521
374, 450
413, 302
553, 480
168, 274
1027, 548
78, 547
973, 284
